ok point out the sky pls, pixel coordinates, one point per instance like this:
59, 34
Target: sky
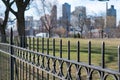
94, 7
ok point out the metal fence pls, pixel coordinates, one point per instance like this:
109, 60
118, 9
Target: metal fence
31, 63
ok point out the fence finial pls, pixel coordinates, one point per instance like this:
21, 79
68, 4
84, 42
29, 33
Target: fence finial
11, 37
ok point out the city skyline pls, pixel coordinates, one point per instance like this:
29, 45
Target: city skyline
91, 9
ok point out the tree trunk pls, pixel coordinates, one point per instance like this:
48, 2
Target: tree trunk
21, 28
3, 34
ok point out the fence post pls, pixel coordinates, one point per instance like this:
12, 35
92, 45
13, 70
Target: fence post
89, 60
12, 59
119, 61
103, 58
89, 53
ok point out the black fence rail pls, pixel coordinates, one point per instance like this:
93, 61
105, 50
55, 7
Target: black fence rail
32, 65
52, 59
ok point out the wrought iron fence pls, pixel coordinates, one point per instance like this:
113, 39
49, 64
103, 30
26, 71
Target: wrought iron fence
31, 63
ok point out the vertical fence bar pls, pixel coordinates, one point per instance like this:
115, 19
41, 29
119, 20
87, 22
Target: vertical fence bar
119, 61
20, 70
48, 46
33, 44
19, 64
103, 54
38, 62
29, 43
48, 58
37, 44
43, 57
61, 48
26, 65
33, 58
68, 50
29, 58
23, 70
89, 53
12, 59
23, 64
103, 58
53, 47
29, 66
89, 60
78, 73
78, 51
68, 76
54, 55
42, 45
60, 62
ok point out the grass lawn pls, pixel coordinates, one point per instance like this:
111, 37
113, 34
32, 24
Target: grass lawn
111, 46
111, 55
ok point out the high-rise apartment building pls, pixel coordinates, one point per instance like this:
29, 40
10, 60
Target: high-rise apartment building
111, 17
66, 13
28, 21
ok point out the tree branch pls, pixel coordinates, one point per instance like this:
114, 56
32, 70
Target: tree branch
6, 17
26, 3
8, 5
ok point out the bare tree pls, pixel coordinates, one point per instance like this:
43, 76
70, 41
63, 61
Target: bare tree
81, 23
21, 6
60, 31
3, 23
80, 13
48, 8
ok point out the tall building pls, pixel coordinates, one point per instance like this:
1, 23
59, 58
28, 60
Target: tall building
111, 17
53, 16
29, 26
66, 11
66, 16
28, 21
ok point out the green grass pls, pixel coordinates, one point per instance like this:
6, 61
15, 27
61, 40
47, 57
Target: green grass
111, 46
4, 66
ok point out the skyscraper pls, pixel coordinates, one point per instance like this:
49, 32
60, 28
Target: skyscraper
53, 16
66, 12
111, 17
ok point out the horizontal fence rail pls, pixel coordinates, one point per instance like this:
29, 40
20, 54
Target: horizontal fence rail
32, 64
